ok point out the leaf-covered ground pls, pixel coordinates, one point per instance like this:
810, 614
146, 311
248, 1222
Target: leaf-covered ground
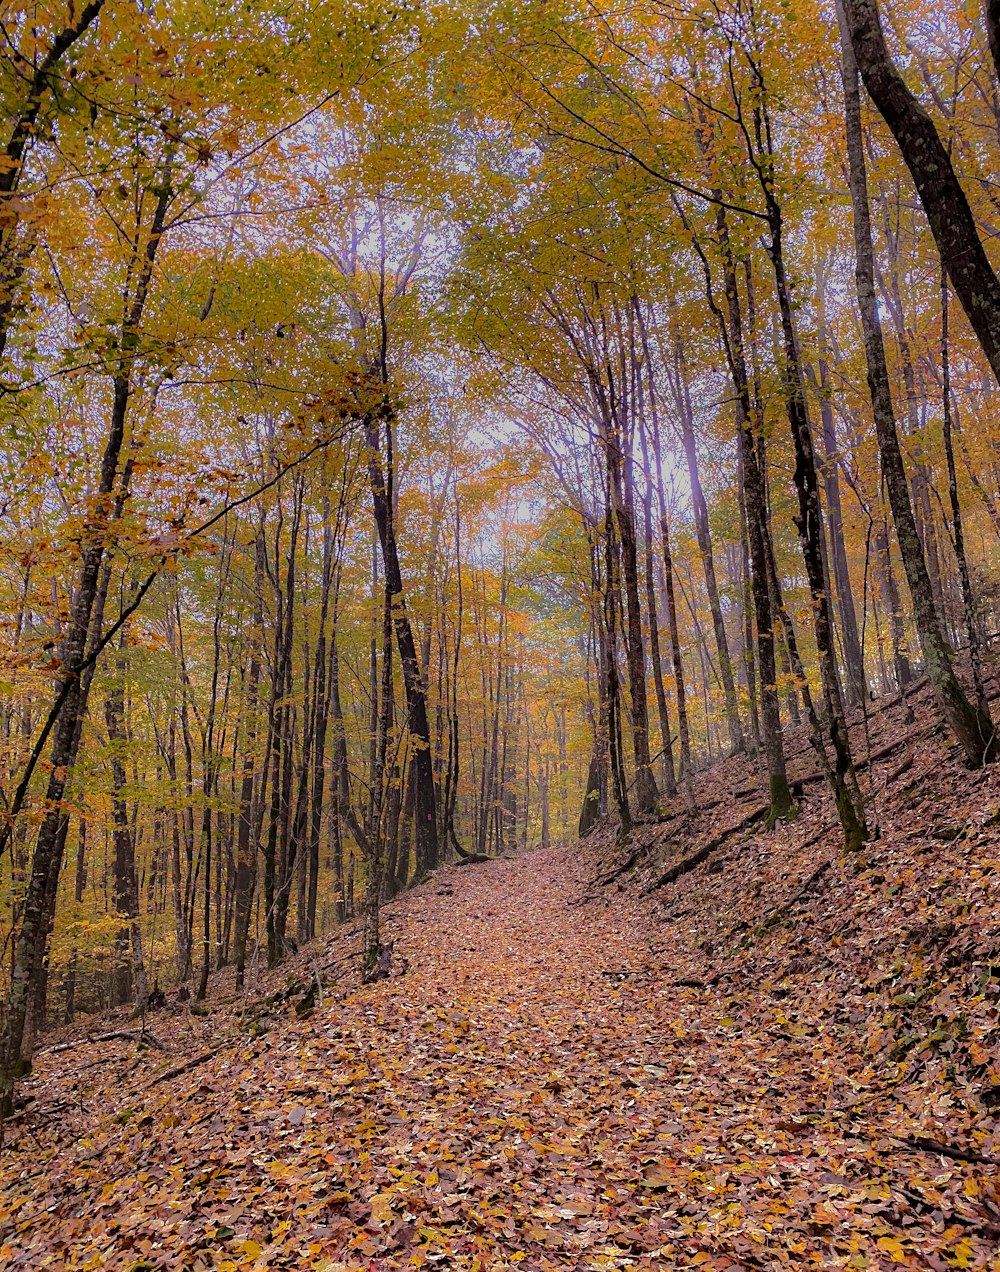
769, 1061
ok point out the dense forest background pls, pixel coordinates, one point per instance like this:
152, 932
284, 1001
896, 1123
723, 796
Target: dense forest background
430, 429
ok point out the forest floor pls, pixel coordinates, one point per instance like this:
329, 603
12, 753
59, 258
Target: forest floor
721, 1047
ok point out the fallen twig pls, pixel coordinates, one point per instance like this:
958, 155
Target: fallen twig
687, 864
905, 764
922, 1144
142, 1036
177, 1070
641, 849
776, 915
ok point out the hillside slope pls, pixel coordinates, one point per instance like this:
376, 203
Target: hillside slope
773, 1058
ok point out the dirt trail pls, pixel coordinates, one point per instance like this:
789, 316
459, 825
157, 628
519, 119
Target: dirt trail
536, 1092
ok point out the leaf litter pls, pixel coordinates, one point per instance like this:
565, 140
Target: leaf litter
780, 1058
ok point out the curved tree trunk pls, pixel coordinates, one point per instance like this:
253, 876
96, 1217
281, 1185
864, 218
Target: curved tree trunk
972, 727
940, 191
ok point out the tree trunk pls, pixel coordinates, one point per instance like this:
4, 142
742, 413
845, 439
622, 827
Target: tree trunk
74, 683
940, 191
957, 532
758, 531
809, 522
126, 878
685, 415
890, 600
623, 520
972, 727
854, 666
413, 686
246, 839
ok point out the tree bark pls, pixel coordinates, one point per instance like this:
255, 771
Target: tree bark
850, 806
941, 193
991, 12
413, 686
972, 727
957, 530
623, 521
854, 666
74, 684
685, 415
126, 878
758, 530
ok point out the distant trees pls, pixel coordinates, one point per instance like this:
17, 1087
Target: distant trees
705, 157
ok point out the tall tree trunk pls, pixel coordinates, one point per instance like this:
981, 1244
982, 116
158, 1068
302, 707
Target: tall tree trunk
79, 886
685, 415
246, 839
854, 666
850, 806
621, 505
746, 590
890, 599
126, 878
758, 530
73, 686
413, 685
252, 788
376, 836
666, 739
940, 191
611, 601
972, 727
957, 531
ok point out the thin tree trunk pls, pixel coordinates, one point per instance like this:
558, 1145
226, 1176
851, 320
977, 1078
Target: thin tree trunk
626, 559
957, 531
854, 665
73, 685
251, 792
779, 791
126, 878
685, 415
809, 522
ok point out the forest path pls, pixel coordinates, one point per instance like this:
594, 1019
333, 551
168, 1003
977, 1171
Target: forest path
504, 1103
535, 1092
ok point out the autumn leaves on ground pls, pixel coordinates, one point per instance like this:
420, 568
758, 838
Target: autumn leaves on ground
778, 1057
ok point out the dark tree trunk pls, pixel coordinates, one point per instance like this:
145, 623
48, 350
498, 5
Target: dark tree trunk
376, 837
957, 531
611, 600
246, 838
940, 191
413, 685
847, 793
620, 488
74, 683
890, 599
854, 666
972, 727
80, 884
132, 970
746, 589
758, 530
